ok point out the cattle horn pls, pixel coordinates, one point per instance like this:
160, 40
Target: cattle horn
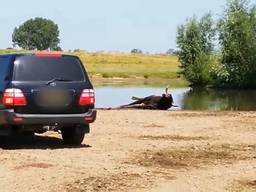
166, 90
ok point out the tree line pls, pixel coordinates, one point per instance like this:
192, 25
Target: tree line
220, 52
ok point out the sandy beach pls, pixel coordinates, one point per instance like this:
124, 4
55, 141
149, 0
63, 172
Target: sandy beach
132, 150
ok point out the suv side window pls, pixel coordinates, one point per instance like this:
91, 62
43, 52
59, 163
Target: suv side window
4, 75
4, 68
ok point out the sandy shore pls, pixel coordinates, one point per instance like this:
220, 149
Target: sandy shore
139, 151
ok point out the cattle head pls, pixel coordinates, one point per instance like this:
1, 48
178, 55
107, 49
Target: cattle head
166, 94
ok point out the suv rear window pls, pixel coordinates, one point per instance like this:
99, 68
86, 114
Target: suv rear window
33, 68
4, 67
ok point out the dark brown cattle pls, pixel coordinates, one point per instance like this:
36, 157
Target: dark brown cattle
152, 102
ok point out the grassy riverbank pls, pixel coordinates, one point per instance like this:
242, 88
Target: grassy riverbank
139, 68
132, 68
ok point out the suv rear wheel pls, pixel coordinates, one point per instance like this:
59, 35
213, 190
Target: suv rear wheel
73, 135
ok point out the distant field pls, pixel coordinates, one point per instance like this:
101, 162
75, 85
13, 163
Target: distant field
148, 67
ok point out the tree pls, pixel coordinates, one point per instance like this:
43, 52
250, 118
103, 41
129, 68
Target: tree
38, 33
136, 51
237, 38
195, 43
172, 52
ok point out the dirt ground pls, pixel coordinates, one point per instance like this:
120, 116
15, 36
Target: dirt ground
136, 151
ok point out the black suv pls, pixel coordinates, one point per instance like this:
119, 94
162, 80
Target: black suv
45, 91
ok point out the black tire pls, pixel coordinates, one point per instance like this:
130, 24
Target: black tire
29, 134
73, 135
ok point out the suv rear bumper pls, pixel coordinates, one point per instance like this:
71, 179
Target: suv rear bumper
9, 117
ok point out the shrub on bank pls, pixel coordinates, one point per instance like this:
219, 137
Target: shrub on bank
236, 39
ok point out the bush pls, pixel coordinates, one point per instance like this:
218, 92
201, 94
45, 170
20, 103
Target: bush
236, 31
237, 38
136, 51
195, 41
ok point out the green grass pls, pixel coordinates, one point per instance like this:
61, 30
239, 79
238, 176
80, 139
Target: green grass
130, 65
7, 51
152, 69
147, 67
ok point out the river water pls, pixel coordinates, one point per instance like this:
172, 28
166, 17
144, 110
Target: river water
185, 98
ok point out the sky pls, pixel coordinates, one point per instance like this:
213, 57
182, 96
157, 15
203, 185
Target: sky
108, 25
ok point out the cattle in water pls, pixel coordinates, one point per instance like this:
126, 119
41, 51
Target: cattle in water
152, 102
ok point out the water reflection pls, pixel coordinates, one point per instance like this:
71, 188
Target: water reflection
112, 96
185, 98
219, 100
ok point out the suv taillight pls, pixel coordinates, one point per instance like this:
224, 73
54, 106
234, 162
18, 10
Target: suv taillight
87, 97
14, 97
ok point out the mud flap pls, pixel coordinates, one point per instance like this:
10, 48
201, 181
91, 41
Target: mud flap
4, 130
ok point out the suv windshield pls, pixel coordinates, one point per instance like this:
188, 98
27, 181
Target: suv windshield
33, 68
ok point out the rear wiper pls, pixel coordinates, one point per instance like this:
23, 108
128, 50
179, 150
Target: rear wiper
57, 79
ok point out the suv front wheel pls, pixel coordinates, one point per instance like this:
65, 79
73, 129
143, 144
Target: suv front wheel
73, 135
